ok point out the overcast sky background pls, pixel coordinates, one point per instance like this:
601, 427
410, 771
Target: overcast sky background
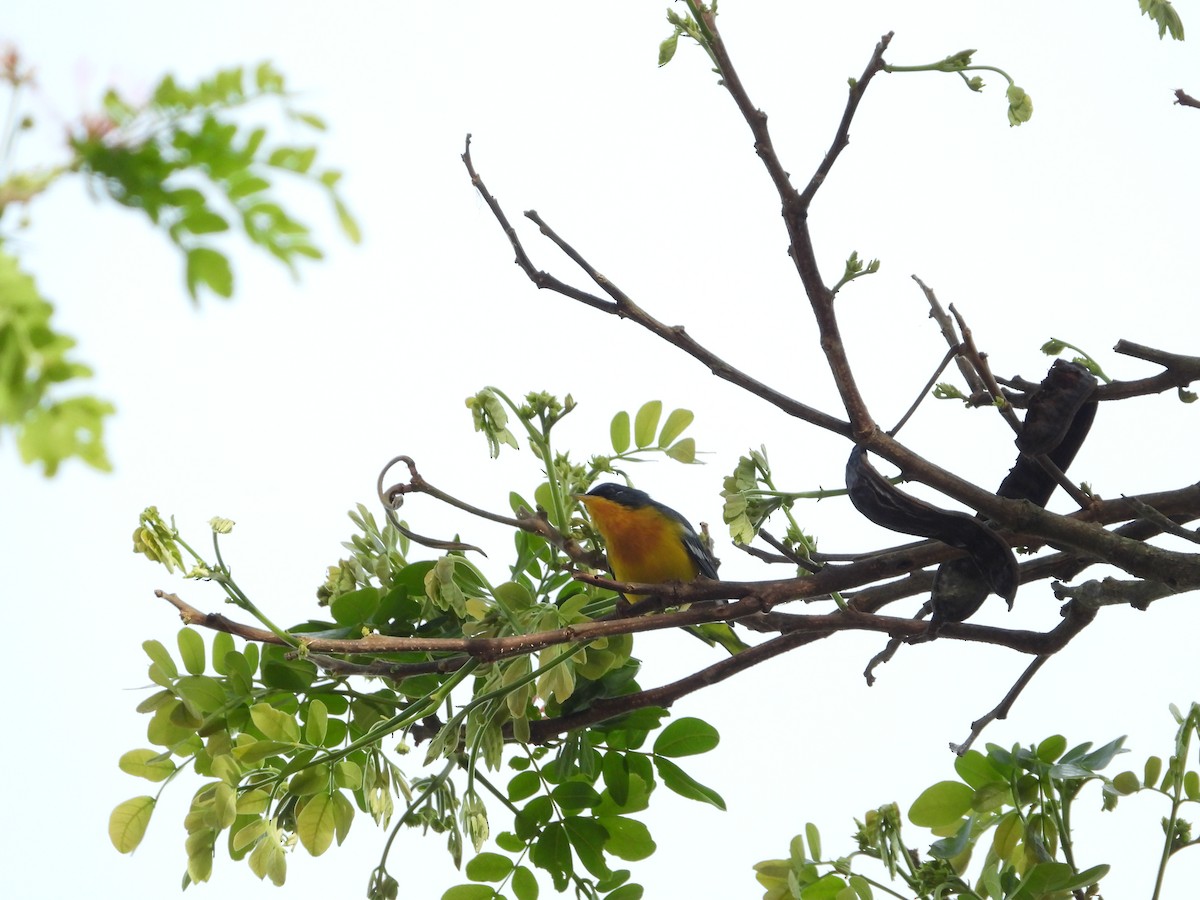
278, 409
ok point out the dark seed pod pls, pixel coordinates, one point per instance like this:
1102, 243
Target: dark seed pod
1053, 406
884, 504
959, 588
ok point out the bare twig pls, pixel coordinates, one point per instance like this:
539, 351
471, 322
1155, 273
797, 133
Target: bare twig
952, 353
938, 314
393, 497
1002, 708
1185, 99
795, 214
1115, 592
674, 334
1165, 524
979, 364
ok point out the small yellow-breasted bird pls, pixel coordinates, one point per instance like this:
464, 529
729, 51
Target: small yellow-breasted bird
651, 543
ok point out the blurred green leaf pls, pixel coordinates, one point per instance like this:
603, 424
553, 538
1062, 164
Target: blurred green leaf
208, 268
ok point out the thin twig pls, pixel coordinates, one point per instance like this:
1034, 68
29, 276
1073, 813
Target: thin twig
952, 353
974, 383
1152, 515
1001, 709
675, 334
795, 214
979, 363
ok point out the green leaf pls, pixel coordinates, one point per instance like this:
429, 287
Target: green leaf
951, 847
506, 840
343, 815
686, 737
645, 424
208, 268
355, 607
489, 867
627, 892
294, 159
941, 805
127, 824
666, 50
1100, 758
469, 892
861, 887
513, 596
977, 770
257, 751
291, 675
249, 833
160, 657
317, 724
268, 860
1191, 784
587, 838
524, 884
204, 694
153, 765
244, 184
524, 784
315, 824
275, 724
1044, 878
62, 429
1152, 770
618, 431
677, 422
826, 888
309, 119
616, 777
685, 785
268, 79
628, 839
1051, 748
575, 795
203, 221
683, 451
1086, 878
1163, 14
552, 850
346, 220
222, 644
814, 839
191, 650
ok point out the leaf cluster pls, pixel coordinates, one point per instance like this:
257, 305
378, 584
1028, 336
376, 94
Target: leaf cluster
295, 743
193, 161
170, 156
1014, 806
35, 360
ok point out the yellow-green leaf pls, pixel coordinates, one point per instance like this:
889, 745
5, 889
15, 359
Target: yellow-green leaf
677, 422
645, 424
318, 722
618, 431
145, 763
127, 824
316, 824
274, 724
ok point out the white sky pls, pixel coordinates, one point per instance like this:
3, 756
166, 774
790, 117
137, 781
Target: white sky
278, 409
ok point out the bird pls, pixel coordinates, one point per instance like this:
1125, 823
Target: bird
651, 543
646, 541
